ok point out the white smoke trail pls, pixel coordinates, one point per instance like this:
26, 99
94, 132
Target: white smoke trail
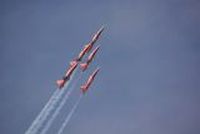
62, 103
38, 122
30, 129
66, 121
52, 105
49, 109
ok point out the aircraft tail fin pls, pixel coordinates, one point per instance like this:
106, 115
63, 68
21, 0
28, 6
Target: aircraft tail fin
83, 66
72, 63
83, 89
60, 83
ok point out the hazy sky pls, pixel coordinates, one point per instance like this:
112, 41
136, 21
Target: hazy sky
149, 58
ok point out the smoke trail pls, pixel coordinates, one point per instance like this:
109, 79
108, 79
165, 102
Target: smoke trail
49, 109
30, 129
69, 116
56, 113
37, 124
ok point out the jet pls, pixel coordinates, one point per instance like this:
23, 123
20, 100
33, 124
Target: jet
80, 56
87, 48
94, 39
86, 86
85, 65
97, 35
60, 83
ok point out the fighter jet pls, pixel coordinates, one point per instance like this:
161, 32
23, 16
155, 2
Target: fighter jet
88, 47
80, 56
86, 86
85, 65
61, 83
97, 35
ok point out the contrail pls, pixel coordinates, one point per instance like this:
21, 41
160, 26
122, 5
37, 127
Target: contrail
47, 111
62, 103
42, 112
50, 108
69, 116
38, 122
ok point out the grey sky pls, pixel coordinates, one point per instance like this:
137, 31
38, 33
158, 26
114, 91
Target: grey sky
149, 58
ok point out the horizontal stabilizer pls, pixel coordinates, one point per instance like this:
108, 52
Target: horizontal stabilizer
72, 63
83, 66
60, 83
83, 88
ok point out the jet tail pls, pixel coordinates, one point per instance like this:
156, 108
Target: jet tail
83, 89
83, 66
72, 63
60, 83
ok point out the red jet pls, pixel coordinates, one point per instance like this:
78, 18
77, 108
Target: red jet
81, 54
86, 86
88, 47
85, 65
97, 35
61, 83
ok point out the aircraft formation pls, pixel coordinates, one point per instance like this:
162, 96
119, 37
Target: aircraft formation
83, 65
50, 111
